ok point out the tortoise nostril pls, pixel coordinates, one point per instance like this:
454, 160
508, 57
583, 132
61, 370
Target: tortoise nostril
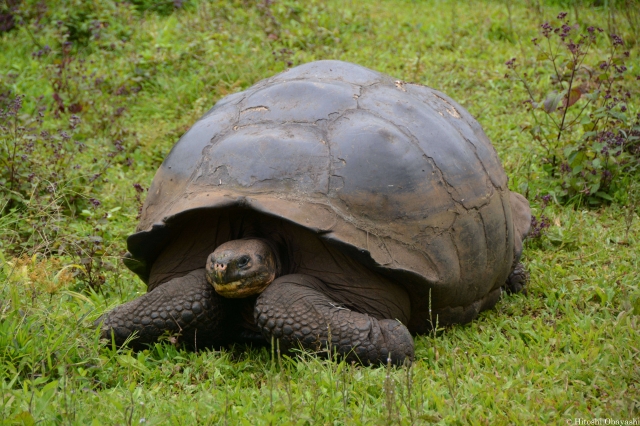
219, 266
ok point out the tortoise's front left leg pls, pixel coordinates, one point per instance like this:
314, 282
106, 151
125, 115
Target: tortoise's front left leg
187, 306
296, 310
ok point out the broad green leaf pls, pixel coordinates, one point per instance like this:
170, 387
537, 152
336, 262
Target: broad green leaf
619, 115
593, 96
551, 102
568, 151
604, 195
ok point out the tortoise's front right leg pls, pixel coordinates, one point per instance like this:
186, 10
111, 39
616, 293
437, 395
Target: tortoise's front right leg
187, 306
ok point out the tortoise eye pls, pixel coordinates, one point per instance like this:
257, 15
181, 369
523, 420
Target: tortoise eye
243, 261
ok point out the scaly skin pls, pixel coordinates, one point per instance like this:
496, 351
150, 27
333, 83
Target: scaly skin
187, 306
517, 279
294, 311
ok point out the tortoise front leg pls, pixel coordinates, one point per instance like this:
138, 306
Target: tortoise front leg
186, 306
295, 310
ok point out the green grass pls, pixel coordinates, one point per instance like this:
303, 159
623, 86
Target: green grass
569, 349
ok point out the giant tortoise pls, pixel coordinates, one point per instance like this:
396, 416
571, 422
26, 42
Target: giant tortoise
329, 205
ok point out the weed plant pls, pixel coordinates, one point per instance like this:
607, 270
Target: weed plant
110, 86
587, 137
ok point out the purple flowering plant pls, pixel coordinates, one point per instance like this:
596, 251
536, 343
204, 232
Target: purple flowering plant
55, 153
584, 123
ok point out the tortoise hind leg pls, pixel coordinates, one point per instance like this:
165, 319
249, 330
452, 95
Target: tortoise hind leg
187, 306
296, 310
517, 280
521, 214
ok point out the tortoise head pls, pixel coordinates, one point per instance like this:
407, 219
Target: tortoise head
242, 268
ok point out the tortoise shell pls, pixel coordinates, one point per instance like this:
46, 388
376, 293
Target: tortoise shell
397, 174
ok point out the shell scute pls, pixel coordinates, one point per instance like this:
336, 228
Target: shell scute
298, 101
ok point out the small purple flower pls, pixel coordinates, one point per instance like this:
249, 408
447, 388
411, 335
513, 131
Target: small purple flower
617, 41
562, 15
138, 187
546, 199
95, 202
538, 227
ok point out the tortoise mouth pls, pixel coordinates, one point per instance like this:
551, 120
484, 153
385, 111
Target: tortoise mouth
244, 287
